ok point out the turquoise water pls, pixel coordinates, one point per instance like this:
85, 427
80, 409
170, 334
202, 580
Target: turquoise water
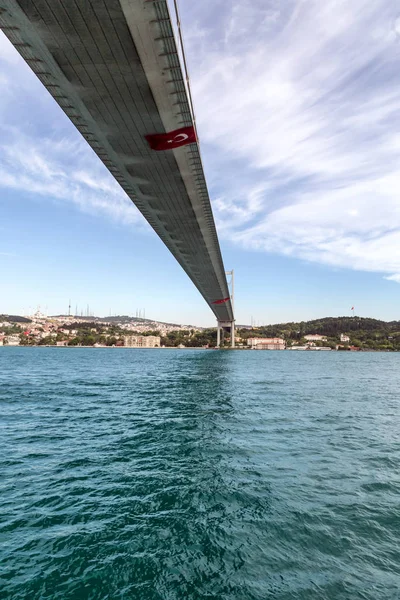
173, 474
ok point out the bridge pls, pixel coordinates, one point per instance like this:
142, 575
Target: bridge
114, 68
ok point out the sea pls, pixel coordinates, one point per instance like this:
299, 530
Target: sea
199, 474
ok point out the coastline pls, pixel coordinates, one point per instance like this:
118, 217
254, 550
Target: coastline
310, 350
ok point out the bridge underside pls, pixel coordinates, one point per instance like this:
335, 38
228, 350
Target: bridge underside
113, 67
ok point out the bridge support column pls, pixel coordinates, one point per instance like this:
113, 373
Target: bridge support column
221, 332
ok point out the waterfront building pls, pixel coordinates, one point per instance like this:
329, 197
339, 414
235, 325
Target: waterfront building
344, 338
12, 340
315, 337
266, 343
142, 341
312, 348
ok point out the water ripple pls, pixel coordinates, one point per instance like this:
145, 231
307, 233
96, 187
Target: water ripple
162, 475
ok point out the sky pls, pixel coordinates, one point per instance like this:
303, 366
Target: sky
298, 111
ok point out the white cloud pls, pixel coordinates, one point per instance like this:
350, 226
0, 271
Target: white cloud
395, 278
63, 170
298, 111
43, 155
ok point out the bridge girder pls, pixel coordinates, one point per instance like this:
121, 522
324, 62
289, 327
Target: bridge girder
113, 67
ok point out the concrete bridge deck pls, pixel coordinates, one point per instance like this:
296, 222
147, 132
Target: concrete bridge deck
114, 69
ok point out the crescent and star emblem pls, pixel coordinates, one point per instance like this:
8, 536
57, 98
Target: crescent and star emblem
181, 137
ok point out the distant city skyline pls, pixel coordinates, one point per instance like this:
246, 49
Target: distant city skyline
140, 315
301, 154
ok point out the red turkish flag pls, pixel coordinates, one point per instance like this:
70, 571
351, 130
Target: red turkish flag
172, 139
221, 301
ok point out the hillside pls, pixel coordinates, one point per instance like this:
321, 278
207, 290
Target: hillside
14, 319
363, 332
332, 326
120, 319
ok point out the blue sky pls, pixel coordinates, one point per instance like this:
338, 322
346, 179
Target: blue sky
297, 105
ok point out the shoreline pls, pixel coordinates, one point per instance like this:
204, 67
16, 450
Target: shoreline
314, 350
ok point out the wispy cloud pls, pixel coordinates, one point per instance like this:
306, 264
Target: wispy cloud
43, 155
298, 110
395, 277
63, 170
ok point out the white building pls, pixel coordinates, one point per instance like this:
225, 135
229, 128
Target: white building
310, 348
344, 338
142, 341
315, 337
266, 343
12, 340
